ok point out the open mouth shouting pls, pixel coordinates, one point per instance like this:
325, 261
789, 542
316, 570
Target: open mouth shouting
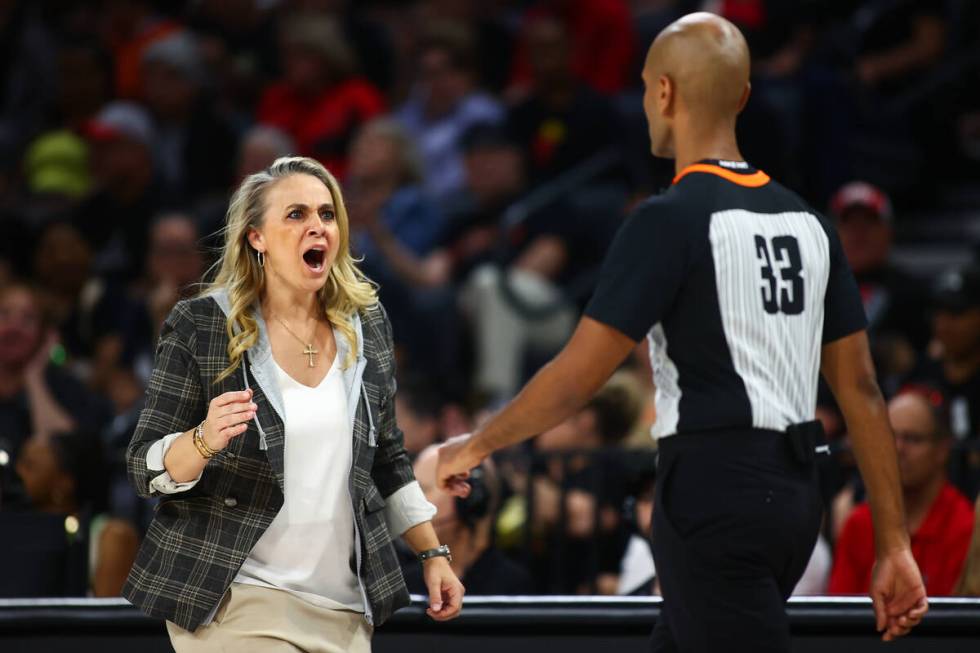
315, 258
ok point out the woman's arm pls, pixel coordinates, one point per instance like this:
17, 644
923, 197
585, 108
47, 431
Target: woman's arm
445, 590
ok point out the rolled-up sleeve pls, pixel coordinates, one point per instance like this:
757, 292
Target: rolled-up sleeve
407, 508
163, 482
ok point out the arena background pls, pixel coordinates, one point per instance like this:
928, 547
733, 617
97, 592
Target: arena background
488, 151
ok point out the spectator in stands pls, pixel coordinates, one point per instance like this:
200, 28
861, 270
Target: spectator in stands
56, 177
493, 35
602, 44
368, 38
192, 141
384, 181
85, 308
466, 525
956, 370
898, 42
581, 469
522, 300
322, 98
939, 518
445, 102
894, 302
130, 26
36, 396
562, 122
969, 583
84, 82
388, 204
126, 196
174, 267
66, 474
259, 147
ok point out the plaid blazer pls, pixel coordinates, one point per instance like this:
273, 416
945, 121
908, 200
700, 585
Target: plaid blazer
199, 538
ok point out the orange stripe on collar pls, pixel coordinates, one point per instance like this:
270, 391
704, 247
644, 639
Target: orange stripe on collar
754, 180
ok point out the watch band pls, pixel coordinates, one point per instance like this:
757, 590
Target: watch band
438, 552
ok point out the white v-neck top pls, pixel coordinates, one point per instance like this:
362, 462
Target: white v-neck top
309, 547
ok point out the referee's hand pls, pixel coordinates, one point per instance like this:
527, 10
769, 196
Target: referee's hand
455, 462
897, 594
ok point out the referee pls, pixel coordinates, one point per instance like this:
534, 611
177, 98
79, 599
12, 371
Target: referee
744, 295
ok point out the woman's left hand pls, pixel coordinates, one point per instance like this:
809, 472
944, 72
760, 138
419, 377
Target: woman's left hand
445, 590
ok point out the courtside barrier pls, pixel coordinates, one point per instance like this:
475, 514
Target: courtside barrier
513, 624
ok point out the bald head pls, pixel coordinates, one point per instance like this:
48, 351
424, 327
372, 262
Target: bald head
697, 67
921, 441
707, 59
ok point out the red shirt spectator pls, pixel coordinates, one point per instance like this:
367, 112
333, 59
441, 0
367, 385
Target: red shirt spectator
939, 546
603, 43
321, 99
322, 126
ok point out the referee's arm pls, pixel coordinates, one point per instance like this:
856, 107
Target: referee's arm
556, 392
897, 590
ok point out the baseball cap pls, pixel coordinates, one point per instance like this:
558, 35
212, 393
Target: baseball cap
179, 51
958, 289
121, 119
57, 163
864, 195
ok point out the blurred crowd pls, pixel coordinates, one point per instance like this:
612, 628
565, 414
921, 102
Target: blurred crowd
488, 151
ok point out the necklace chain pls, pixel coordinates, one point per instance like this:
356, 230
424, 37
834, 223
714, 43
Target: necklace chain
309, 350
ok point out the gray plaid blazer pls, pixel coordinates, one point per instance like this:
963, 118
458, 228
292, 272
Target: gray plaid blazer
199, 538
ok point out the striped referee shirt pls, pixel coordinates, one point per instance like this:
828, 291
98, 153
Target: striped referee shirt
736, 283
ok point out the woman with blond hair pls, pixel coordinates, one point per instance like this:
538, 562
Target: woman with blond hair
269, 435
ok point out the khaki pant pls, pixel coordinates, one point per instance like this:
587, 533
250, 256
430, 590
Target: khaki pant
259, 619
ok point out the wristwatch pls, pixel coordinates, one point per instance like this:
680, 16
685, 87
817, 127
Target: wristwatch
439, 552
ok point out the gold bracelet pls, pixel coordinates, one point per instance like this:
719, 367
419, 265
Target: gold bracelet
204, 443
199, 443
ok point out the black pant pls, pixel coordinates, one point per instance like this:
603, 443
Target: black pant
735, 521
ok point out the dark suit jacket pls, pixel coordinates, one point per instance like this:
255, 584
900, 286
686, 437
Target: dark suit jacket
199, 538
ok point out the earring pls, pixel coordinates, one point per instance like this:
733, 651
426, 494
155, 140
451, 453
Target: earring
261, 258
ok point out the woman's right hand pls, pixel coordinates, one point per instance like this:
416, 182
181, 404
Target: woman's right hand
228, 417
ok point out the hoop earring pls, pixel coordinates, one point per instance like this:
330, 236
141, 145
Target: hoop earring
261, 258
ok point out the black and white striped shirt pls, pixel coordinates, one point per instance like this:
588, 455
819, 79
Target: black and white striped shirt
737, 284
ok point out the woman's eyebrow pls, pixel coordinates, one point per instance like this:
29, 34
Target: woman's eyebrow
304, 207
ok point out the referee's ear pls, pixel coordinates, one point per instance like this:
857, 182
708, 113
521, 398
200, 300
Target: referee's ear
666, 96
746, 92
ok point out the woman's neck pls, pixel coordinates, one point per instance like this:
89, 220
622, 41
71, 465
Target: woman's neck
291, 306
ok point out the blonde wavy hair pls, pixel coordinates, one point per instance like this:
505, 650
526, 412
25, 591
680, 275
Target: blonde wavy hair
346, 291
